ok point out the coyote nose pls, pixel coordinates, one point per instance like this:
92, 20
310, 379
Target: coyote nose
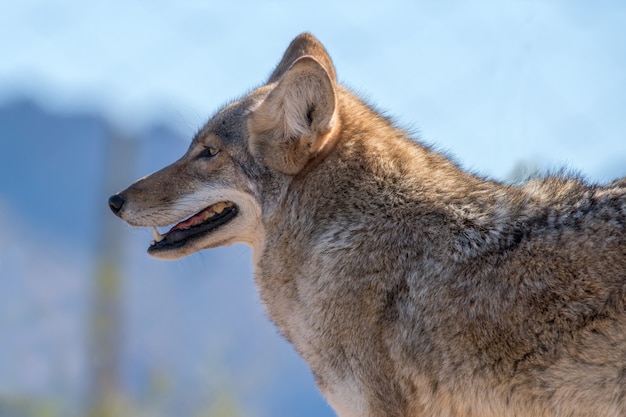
116, 202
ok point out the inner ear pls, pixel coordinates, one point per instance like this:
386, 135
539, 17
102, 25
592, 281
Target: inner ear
309, 114
304, 100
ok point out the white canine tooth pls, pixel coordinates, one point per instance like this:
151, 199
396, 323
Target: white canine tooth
156, 235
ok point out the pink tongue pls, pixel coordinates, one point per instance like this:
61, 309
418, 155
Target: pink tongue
194, 220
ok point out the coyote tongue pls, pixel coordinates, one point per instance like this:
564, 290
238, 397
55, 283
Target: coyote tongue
194, 220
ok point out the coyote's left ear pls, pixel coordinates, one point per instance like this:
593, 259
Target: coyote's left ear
296, 119
304, 44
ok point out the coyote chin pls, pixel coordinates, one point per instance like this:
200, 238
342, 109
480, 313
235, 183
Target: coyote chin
410, 287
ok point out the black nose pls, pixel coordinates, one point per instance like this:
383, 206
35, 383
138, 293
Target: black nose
116, 202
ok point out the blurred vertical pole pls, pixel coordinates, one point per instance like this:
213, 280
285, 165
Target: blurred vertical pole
106, 315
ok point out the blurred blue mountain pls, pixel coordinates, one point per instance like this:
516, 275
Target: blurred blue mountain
51, 167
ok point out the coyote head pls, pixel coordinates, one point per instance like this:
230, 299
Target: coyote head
238, 166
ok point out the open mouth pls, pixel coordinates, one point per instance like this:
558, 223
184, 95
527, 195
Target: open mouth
196, 226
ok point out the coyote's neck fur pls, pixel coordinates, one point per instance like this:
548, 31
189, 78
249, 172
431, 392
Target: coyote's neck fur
394, 225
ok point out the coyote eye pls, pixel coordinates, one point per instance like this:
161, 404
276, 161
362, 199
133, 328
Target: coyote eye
208, 152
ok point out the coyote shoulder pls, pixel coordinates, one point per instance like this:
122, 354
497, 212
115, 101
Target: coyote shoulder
410, 287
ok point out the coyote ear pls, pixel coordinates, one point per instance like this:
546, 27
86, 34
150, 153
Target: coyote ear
304, 44
296, 119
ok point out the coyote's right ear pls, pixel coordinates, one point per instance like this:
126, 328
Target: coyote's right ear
296, 119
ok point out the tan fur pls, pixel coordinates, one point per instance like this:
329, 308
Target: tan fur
411, 287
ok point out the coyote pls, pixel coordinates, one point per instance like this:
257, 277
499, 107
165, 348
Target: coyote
410, 287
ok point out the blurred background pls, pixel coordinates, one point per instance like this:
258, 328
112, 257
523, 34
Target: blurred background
94, 95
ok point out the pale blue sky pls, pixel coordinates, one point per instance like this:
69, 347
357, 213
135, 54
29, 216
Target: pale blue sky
493, 82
